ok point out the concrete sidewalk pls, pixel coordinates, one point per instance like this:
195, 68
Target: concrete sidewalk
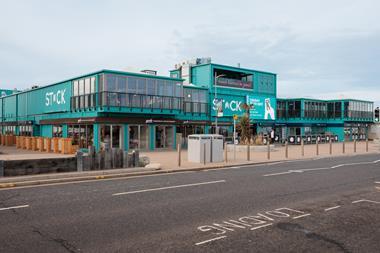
169, 163
169, 159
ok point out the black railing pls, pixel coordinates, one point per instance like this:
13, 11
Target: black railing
195, 107
322, 114
118, 99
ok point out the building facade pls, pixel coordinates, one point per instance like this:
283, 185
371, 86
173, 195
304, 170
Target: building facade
345, 119
149, 112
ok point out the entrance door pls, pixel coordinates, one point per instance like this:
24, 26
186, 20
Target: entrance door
164, 137
138, 137
111, 136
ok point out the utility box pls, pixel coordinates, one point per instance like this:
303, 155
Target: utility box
205, 148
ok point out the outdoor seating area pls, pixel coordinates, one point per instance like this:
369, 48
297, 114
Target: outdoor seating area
41, 144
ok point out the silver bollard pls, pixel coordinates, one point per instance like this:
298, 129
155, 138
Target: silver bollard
248, 153
286, 149
330, 146
366, 145
268, 155
354, 146
317, 147
302, 147
225, 152
179, 154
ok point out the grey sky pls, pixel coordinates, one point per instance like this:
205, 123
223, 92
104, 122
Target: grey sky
320, 49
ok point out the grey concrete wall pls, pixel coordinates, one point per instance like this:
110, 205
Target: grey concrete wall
38, 166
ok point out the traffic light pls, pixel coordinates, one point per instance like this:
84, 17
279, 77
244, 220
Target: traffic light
377, 116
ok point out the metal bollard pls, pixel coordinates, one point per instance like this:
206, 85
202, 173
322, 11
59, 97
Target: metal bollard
248, 153
317, 147
204, 153
344, 146
366, 145
179, 154
286, 149
354, 146
225, 153
330, 146
268, 155
302, 147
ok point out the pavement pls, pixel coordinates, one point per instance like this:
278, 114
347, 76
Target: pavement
169, 162
324, 205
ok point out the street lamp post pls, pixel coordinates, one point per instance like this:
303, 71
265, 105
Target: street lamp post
215, 99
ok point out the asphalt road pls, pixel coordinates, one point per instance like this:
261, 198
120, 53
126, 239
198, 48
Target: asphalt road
325, 205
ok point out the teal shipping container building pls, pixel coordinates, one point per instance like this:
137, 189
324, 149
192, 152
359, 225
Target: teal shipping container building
149, 112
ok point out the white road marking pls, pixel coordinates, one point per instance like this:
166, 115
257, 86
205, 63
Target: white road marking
377, 182
331, 208
301, 216
277, 174
365, 200
378, 188
262, 226
211, 240
169, 187
314, 169
13, 207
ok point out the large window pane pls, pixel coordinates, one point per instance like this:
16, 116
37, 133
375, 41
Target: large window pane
81, 87
151, 86
121, 84
141, 86
132, 84
111, 83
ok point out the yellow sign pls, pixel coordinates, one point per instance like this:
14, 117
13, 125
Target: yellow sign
235, 117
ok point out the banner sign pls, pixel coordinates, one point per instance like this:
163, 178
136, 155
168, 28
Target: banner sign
263, 107
225, 106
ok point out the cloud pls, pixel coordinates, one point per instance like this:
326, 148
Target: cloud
315, 47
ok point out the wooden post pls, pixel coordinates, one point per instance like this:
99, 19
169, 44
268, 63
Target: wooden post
302, 147
317, 147
286, 149
48, 145
330, 146
344, 146
268, 149
179, 154
248, 152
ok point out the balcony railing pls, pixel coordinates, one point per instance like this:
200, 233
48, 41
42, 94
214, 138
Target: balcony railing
118, 99
322, 114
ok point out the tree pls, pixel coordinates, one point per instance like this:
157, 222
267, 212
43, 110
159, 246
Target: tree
245, 123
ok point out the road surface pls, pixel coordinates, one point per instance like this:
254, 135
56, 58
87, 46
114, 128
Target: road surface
324, 205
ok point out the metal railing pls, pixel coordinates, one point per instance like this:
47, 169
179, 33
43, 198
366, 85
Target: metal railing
322, 114
119, 99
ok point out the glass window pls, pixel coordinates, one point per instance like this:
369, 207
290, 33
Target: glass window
93, 84
169, 91
160, 87
81, 87
122, 84
132, 84
111, 83
178, 90
87, 86
151, 86
75, 88
141, 86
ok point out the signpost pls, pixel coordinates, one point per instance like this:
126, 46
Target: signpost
235, 118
